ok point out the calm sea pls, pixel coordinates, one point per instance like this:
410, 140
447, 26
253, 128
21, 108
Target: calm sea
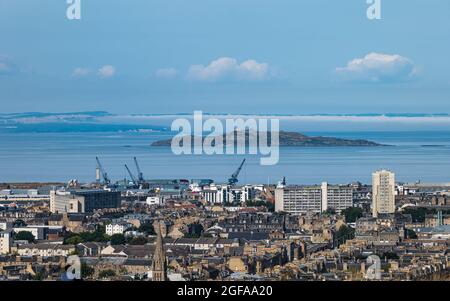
413, 156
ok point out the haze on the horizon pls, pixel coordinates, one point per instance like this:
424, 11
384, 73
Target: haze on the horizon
253, 56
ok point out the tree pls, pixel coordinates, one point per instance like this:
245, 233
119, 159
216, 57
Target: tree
138, 241
118, 239
86, 271
389, 255
195, 229
96, 236
352, 214
24, 235
106, 274
19, 223
270, 206
329, 211
411, 234
74, 240
147, 228
343, 234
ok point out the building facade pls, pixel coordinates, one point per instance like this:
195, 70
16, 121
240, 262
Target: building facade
5, 242
83, 201
112, 229
383, 192
303, 199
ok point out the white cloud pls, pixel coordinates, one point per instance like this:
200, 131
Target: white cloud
377, 67
107, 71
7, 66
226, 68
79, 72
166, 73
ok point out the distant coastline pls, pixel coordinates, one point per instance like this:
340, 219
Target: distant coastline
287, 139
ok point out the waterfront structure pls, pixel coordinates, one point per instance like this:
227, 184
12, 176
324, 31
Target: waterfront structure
383, 192
83, 201
297, 200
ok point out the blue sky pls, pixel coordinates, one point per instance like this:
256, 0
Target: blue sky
236, 56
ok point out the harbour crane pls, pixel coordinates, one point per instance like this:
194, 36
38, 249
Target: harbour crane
133, 179
140, 174
106, 180
234, 177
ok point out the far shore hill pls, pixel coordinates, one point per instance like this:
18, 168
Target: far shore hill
289, 139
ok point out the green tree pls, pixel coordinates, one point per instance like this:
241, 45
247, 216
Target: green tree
138, 241
106, 274
389, 255
86, 270
19, 223
74, 240
270, 206
329, 211
411, 234
343, 234
147, 228
39, 276
118, 239
352, 214
24, 235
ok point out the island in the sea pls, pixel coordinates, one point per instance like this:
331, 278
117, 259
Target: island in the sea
290, 139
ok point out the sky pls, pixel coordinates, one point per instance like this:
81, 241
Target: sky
225, 56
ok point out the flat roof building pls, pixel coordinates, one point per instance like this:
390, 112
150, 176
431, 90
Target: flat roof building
83, 201
297, 200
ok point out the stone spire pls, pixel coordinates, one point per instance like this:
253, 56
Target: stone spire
159, 264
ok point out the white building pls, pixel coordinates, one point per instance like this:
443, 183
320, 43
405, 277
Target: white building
303, 199
154, 200
45, 250
5, 242
112, 229
221, 194
38, 232
383, 192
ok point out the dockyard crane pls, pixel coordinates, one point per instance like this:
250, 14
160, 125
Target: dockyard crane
234, 177
133, 179
106, 180
140, 174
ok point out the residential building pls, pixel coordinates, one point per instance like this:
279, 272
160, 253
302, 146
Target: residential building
302, 199
45, 250
5, 242
112, 229
383, 192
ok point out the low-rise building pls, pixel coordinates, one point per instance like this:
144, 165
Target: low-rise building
112, 229
45, 250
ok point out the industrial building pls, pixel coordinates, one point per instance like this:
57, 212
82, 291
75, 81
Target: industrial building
83, 201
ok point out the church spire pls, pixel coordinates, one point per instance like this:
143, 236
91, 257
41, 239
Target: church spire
159, 264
